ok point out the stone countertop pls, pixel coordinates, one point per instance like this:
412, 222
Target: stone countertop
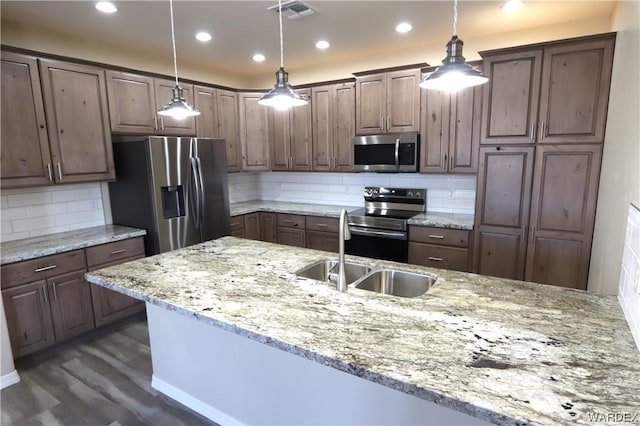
31, 248
436, 219
505, 351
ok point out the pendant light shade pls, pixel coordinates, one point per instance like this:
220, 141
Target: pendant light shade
178, 108
454, 74
282, 96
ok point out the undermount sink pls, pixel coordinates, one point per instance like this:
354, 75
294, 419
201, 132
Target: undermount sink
396, 283
327, 270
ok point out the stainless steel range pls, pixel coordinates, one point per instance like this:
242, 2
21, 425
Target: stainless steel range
379, 230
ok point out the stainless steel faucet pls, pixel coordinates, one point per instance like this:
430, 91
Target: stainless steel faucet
343, 234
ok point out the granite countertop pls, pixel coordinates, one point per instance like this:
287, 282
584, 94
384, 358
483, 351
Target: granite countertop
436, 219
31, 248
504, 351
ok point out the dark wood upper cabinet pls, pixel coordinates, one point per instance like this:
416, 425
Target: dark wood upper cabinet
567, 83
575, 91
78, 121
71, 307
388, 102
206, 101
169, 125
252, 226
450, 130
280, 139
502, 210
563, 204
290, 136
254, 132
333, 124
510, 106
228, 128
25, 159
132, 105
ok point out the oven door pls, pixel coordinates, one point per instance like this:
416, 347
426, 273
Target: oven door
378, 244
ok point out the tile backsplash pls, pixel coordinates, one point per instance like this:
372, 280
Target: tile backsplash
30, 212
629, 287
445, 193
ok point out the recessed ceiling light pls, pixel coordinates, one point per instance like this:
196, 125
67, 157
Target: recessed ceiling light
403, 27
322, 44
512, 6
258, 57
106, 7
203, 36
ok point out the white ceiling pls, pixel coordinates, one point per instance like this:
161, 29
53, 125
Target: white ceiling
241, 28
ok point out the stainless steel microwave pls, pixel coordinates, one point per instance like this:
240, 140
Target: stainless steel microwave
393, 152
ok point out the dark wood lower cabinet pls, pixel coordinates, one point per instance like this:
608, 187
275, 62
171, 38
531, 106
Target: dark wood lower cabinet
28, 317
252, 226
292, 237
71, 308
453, 258
319, 240
268, 227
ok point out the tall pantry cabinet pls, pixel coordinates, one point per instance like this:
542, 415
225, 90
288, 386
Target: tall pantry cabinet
542, 131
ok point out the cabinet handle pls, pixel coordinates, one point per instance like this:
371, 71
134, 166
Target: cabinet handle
451, 163
531, 135
524, 232
118, 251
55, 293
155, 123
290, 222
439, 237
322, 225
388, 123
435, 259
44, 294
49, 171
46, 268
59, 171
381, 123
542, 135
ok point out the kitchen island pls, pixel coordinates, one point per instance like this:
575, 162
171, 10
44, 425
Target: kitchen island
487, 349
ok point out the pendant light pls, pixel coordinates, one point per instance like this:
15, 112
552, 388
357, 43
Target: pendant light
178, 108
282, 96
454, 74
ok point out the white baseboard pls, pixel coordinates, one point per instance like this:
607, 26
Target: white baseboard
9, 379
193, 403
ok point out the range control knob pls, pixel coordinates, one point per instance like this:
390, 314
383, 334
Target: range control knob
410, 194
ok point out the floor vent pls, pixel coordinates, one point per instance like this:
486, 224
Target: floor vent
293, 9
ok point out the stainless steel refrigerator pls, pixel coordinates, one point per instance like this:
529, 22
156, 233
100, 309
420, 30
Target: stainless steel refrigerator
174, 187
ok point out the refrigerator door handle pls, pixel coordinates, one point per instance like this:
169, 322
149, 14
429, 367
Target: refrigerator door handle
201, 211
196, 185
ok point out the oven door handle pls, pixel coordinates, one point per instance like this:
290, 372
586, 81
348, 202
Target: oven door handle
377, 233
397, 153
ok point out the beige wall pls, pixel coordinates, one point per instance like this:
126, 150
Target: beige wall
620, 180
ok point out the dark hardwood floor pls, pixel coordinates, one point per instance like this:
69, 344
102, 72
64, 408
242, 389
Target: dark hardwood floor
102, 381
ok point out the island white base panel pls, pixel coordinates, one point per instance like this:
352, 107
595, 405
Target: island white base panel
231, 379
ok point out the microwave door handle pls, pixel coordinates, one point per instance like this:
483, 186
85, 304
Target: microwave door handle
397, 154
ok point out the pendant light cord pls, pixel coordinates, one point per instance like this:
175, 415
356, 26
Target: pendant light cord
281, 43
173, 40
455, 17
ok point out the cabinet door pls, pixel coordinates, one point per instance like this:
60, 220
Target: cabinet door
502, 210
25, 159
563, 209
434, 131
252, 226
132, 106
437, 256
291, 237
280, 139
168, 125
268, 227
403, 101
70, 305
371, 106
344, 126
109, 305
301, 134
327, 241
575, 92
322, 98
206, 101
77, 116
510, 106
228, 128
28, 317
254, 132
464, 130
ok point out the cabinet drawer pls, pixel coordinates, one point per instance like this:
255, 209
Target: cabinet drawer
327, 224
118, 250
440, 236
291, 220
456, 259
43, 267
237, 223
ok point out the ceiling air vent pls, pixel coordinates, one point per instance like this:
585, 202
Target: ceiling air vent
293, 9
